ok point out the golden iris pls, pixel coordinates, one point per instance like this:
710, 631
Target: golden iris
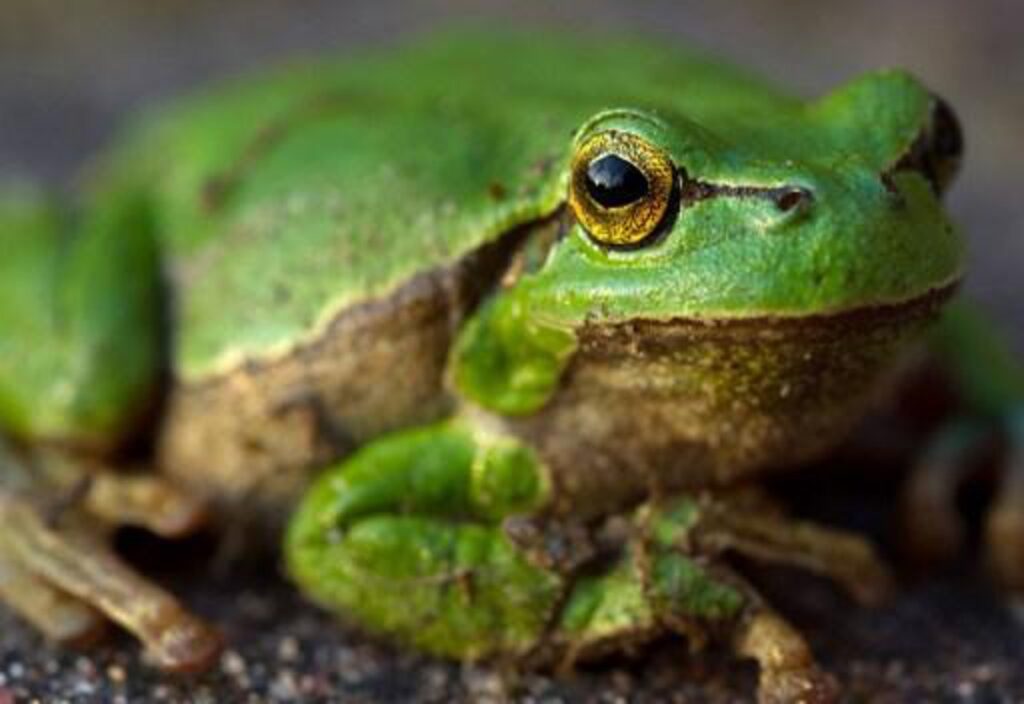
621, 187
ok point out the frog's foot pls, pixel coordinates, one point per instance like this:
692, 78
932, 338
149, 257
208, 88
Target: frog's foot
933, 528
628, 606
416, 537
666, 581
58, 572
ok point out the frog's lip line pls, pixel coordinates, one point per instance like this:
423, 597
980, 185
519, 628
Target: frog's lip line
930, 300
878, 311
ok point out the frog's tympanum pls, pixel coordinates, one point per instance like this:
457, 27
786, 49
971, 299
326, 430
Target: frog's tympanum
511, 326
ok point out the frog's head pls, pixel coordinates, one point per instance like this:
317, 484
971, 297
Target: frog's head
781, 248
761, 209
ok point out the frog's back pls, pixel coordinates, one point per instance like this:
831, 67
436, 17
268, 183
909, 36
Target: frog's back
285, 200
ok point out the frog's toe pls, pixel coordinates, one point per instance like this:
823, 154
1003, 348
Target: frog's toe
141, 499
1004, 524
145, 501
788, 672
645, 592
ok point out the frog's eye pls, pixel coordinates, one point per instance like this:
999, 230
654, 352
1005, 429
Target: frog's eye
937, 150
946, 144
622, 188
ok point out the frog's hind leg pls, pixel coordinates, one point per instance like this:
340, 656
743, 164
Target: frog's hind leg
82, 349
57, 570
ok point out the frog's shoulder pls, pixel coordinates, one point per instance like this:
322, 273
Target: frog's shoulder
283, 200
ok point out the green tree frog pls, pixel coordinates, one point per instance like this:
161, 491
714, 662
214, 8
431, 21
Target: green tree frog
505, 328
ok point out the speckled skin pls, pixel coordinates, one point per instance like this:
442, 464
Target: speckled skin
644, 402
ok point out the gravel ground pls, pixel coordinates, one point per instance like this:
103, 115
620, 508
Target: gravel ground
68, 74
944, 638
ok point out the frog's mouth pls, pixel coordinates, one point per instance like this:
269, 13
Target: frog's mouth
873, 325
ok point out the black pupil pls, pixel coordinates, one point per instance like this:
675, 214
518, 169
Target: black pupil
613, 182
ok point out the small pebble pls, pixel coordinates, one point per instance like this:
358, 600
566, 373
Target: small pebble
285, 686
116, 674
484, 685
232, 663
966, 689
288, 649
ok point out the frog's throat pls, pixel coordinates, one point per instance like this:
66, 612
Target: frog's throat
687, 404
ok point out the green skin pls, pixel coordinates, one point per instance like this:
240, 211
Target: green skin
341, 183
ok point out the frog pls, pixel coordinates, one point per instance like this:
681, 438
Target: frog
498, 334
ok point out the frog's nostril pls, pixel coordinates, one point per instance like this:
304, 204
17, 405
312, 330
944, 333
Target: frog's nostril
789, 199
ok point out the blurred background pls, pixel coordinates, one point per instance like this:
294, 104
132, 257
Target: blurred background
69, 72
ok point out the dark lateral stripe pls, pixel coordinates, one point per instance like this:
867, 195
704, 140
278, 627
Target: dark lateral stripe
785, 197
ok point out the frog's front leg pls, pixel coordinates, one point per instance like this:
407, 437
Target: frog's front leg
58, 571
406, 535
421, 536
